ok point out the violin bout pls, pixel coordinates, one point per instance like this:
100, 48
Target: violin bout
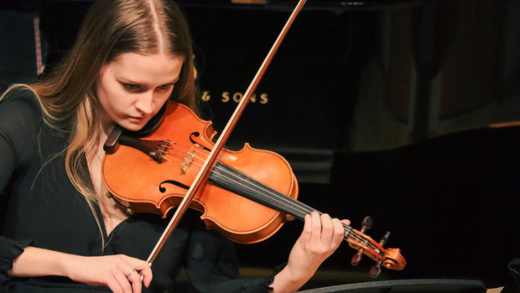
154, 174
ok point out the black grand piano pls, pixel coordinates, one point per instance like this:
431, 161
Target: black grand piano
402, 110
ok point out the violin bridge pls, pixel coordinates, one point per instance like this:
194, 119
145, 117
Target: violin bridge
188, 159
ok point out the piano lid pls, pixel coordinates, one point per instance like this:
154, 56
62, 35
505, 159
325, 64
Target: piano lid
350, 76
361, 80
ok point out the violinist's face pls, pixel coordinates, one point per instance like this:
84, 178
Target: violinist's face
133, 87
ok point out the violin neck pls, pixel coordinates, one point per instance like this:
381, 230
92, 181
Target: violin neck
240, 183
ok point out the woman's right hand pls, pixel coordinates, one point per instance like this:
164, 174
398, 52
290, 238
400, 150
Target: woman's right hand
114, 271
121, 273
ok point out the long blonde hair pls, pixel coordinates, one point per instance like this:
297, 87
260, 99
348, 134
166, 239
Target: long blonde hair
68, 95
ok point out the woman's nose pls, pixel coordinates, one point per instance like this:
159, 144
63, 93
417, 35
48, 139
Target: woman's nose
145, 103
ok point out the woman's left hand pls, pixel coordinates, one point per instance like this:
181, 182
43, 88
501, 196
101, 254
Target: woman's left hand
320, 238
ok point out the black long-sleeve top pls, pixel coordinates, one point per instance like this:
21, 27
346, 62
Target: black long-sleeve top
42, 208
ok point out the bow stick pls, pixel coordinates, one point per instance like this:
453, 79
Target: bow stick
203, 175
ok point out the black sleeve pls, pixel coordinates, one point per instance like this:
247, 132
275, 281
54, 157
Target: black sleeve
9, 251
212, 266
18, 115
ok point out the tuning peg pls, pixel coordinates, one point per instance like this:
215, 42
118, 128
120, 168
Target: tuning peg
375, 270
357, 257
365, 225
384, 240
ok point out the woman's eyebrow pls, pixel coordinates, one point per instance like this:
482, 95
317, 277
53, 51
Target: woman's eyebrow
175, 80
130, 81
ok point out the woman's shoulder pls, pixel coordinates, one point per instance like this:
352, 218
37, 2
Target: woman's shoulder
20, 112
20, 120
20, 102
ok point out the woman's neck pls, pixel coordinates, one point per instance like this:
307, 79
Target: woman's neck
107, 124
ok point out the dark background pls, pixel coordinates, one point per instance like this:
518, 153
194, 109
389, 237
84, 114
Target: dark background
383, 108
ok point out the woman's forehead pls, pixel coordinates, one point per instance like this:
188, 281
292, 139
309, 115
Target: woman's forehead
146, 68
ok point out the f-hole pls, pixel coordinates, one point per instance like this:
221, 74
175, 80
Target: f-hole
197, 134
162, 189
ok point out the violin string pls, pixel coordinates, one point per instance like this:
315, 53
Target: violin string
348, 229
185, 146
197, 152
288, 202
306, 209
284, 198
279, 199
178, 150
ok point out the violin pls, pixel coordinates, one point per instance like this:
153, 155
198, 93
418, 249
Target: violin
249, 194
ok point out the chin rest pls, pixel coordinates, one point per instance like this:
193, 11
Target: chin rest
112, 142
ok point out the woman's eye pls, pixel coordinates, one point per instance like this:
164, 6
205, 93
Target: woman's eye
164, 87
130, 87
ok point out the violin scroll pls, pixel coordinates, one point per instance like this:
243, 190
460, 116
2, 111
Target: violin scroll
394, 260
390, 258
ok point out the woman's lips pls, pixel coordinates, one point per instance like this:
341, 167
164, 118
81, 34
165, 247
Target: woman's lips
137, 119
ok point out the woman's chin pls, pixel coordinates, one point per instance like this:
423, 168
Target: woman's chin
133, 126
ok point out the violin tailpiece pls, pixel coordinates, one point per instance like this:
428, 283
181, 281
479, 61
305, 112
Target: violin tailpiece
154, 149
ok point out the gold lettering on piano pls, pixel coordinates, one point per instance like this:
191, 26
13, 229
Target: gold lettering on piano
263, 99
206, 96
236, 97
225, 97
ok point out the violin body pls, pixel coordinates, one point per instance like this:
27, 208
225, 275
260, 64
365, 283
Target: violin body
248, 195
144, 184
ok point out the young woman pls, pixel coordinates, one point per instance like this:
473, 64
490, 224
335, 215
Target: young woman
61, 231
